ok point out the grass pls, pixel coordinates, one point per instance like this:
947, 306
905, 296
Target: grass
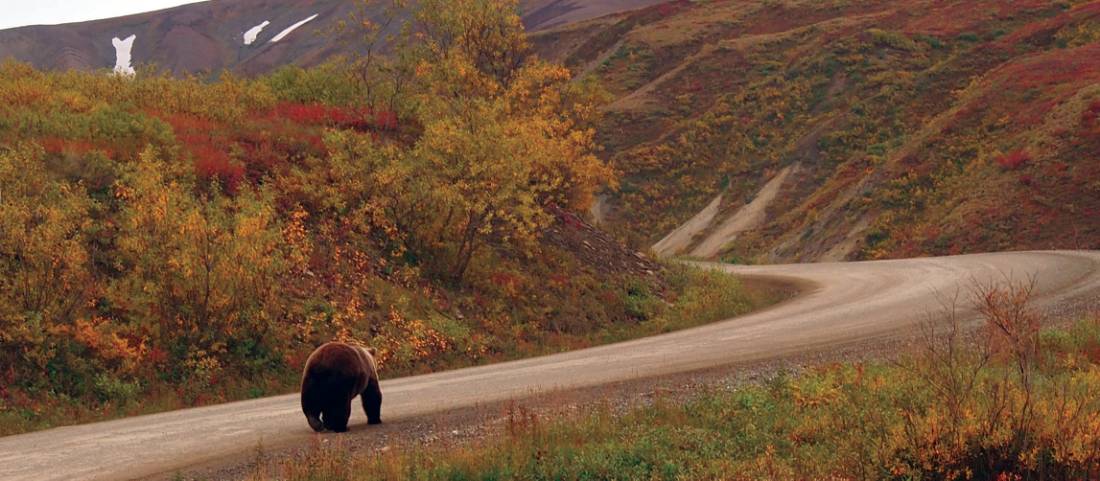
697, 297
704, 296
951, 409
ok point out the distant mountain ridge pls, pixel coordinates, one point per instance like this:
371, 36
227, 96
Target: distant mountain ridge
210, 36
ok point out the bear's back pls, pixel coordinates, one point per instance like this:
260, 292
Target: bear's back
336, 360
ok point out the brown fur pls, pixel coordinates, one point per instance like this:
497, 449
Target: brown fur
334, 374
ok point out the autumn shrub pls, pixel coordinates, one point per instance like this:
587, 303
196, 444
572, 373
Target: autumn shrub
214, 165
46, 278
328, 84
201, 275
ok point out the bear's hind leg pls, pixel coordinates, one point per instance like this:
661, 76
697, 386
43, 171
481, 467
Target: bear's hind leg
372, 402
336, 416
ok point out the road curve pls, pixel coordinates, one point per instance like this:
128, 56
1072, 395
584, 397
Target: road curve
845, 303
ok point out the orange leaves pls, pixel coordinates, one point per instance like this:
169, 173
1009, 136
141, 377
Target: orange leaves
204, 272
126, 354
43, 228
57, 145
410, 341
1012, 403
297, 239
25, 92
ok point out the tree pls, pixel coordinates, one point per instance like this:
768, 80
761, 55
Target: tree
503, 135
500, 160
486, 35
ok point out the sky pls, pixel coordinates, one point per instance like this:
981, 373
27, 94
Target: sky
17, 13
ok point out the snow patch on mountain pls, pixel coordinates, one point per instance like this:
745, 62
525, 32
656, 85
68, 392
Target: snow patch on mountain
252, 33
123, 57
294, 27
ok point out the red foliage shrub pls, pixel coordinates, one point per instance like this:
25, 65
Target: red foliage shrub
302, 114
261, 154
1089, 116
212, 163
314, 142
1014, 161
209, 150
385, 120
267, 141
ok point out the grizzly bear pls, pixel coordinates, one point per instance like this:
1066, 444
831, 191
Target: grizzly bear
334, 374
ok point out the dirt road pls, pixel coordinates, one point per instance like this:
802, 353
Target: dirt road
844, 303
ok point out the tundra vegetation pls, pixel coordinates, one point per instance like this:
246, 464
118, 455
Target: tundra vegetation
1014, 402
171, 242
918, 127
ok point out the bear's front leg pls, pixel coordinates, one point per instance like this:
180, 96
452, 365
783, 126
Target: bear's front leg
336, 417
311, 407
314, 421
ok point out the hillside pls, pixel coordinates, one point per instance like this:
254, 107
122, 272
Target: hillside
782, 131
211, 36
895, 128
170, 242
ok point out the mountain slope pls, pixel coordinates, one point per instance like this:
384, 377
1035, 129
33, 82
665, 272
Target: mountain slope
210, 36
918, 127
